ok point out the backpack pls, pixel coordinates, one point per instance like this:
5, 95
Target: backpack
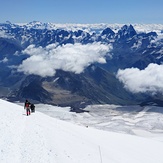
27, 104
32, 106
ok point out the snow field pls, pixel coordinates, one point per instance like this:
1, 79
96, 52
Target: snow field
39, 138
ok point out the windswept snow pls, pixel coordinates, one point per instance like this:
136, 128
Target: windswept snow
39, 138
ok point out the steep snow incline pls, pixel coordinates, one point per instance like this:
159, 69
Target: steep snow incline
42, 139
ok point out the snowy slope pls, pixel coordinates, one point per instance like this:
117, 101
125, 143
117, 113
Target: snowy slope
146, 121
42, 139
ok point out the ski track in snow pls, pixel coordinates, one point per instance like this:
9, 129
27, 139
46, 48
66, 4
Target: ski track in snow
33, 142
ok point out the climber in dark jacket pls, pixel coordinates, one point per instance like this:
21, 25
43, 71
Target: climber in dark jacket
27, 107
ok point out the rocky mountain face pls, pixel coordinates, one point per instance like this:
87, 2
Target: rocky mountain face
96, 85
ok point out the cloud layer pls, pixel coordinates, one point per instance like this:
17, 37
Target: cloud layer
148, 80
69, 57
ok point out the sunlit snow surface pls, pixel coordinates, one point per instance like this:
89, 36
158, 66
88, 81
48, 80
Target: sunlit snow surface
136, 120
39, 138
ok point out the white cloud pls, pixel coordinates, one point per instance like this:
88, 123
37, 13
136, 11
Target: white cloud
69, 57
4, 60
148, 80
91, 28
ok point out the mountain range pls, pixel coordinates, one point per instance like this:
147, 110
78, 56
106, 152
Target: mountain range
96, 83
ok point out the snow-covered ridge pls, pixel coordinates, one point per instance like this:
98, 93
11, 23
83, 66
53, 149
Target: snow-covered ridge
44, 46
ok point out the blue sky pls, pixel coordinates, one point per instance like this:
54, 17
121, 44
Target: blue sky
82, 11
